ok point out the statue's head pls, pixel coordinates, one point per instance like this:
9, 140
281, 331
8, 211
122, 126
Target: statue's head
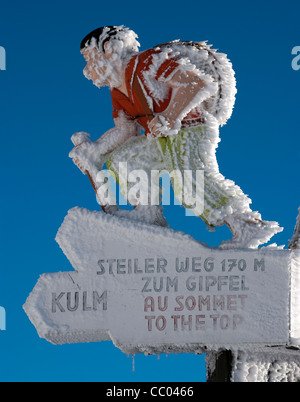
105, 49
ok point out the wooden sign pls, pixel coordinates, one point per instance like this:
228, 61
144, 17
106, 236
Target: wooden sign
151, 289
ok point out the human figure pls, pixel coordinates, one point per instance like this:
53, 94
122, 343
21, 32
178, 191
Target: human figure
179, 104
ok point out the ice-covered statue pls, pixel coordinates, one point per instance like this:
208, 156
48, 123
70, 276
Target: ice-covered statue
168, 103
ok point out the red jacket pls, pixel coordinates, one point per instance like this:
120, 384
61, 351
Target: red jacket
142, 104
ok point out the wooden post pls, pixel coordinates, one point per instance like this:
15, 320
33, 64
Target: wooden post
219, 366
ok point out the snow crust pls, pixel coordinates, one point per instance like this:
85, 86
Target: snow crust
268, 365
295, 297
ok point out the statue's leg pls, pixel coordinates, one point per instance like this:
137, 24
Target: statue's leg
224, 202
133, 165
190, 150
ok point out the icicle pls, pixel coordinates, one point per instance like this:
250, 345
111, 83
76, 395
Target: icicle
133, 363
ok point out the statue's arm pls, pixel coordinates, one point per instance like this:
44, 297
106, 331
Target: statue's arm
89, 155
118, 135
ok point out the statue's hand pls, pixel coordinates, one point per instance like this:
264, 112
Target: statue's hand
160, 126
87, 155
80, 137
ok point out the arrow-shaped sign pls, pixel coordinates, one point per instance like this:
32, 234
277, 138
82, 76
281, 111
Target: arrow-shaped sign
152, 289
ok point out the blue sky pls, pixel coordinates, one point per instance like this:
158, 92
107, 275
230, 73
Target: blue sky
44, 99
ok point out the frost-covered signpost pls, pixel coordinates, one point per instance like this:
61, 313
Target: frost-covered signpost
137, 282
